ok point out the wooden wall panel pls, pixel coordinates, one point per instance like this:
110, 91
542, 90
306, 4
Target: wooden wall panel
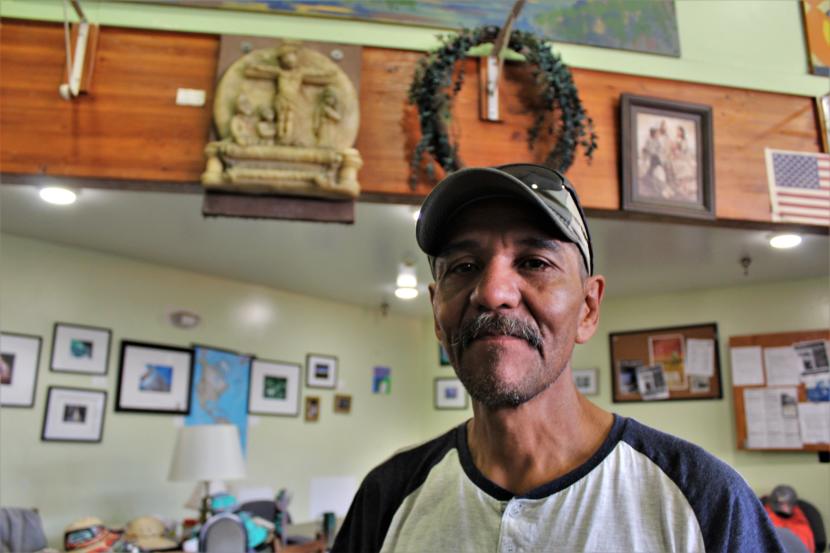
745, 122
130, 128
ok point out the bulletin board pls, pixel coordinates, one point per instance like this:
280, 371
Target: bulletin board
656, 363
763, 341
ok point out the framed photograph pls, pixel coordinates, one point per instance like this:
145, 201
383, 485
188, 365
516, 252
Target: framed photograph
667, 158
671, 363
154, 378
450, 394
74, 415
321, 371
275, 388
19, 362
80, 349
312, 408
342, 404
586, 381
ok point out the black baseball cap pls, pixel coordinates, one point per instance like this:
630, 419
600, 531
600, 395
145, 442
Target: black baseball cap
540, 187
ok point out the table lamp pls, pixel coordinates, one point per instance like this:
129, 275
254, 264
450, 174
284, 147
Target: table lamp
207, 452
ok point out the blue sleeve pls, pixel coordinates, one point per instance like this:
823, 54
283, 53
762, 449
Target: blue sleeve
731, 518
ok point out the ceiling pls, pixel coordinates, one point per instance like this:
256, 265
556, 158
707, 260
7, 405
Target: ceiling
358, 263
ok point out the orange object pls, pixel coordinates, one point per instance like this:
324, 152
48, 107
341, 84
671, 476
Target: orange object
797, 523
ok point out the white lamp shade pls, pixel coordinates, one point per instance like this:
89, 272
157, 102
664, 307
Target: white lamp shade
207, 452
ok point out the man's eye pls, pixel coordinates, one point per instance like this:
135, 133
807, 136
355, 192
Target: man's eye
466, 267
534, 264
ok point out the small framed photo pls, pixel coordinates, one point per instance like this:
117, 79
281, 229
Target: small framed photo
321, 371
154, 378
450, 394
342, 404
80, 349
275, 388
312, 408
586, 381
19, 362
74, 415
667, 157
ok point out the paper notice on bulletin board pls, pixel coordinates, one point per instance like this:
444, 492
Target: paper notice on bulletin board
815, 422
747, 366
772, 418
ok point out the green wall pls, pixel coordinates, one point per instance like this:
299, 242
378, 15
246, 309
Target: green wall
126, 475
754, 44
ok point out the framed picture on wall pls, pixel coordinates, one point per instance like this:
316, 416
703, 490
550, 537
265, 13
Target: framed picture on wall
586, 381
80, 349
19, 362
321, 371
450, 394
342, 404
154, 378
74, 415
312, 408
667, 157
275, 388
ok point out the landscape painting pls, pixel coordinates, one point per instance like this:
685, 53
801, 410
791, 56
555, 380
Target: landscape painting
638, 25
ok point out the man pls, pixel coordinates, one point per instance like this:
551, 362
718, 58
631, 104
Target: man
538, 467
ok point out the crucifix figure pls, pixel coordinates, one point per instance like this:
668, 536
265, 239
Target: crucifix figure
289, 80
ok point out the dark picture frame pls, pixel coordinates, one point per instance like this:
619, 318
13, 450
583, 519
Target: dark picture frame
281, 398
19, 367
343, 404
74, 415
668, 165
654, 364
449, 393
321, 371
80, 349
154, 378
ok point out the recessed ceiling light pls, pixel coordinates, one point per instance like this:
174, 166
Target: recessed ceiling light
406, 275
406, 293
58, 195
785, 241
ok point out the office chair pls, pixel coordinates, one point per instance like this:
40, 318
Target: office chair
223, 533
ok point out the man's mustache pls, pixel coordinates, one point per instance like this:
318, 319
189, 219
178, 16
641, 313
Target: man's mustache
493, 324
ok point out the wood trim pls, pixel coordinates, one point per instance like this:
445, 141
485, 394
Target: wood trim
129, 129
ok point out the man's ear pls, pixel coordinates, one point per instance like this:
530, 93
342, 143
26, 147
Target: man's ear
594, 289
438, 333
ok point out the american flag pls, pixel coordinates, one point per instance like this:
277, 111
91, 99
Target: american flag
799, 187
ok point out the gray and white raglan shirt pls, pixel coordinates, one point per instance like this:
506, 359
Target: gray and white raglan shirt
642, 491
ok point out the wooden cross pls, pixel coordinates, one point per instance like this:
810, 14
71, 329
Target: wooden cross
490, 68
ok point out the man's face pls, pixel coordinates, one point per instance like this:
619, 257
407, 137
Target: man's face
510, 301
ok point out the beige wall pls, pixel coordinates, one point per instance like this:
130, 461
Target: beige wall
125, 476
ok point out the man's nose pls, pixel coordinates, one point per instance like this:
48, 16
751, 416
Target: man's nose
497, 287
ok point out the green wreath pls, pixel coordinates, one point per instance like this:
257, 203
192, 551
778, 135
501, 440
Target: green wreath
433, 89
